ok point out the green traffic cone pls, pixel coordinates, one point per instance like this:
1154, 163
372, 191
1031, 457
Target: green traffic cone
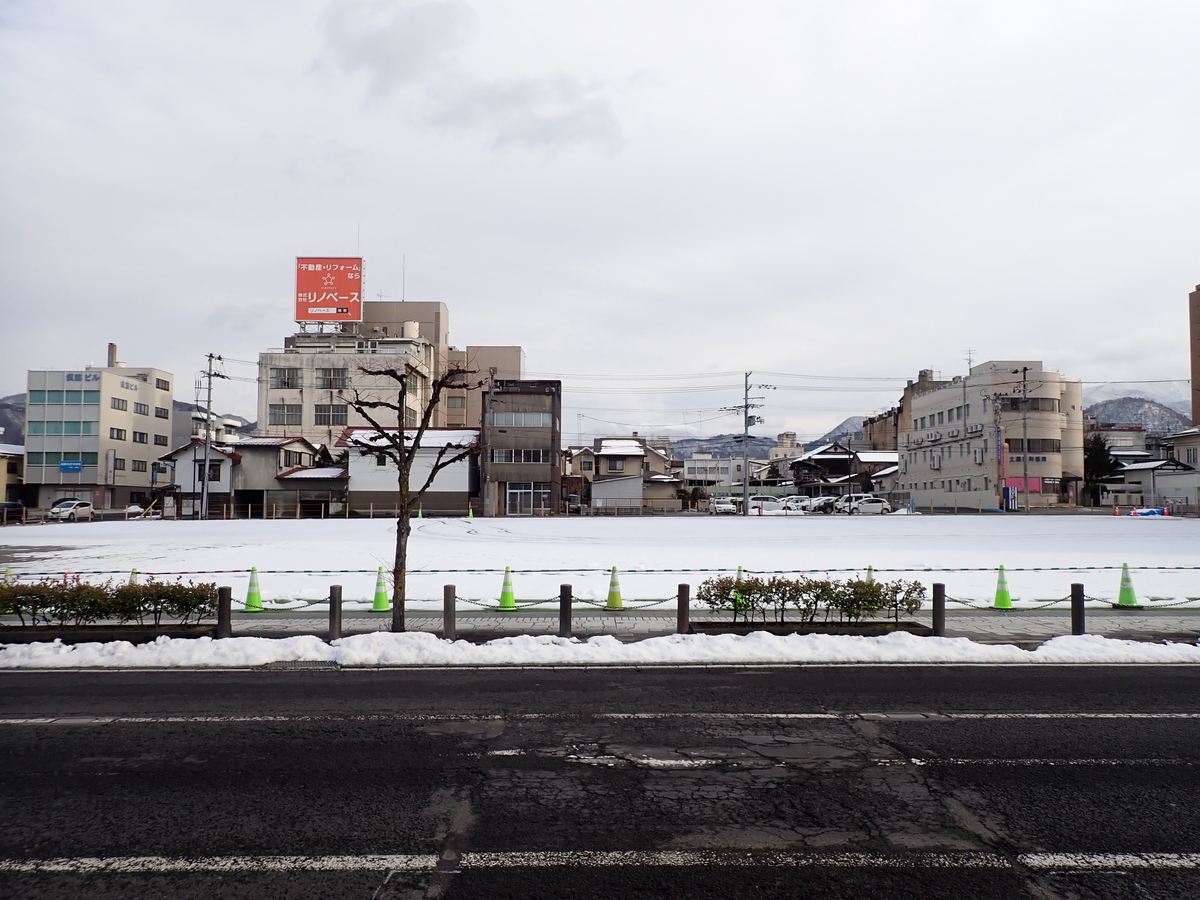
8, 576
470, 513
253, 595
870, 573
420, 513
614, 592
507, 600
1003, 597
1126, 597
382, 602
133, 577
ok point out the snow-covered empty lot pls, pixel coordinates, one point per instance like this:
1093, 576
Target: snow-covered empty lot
581, 550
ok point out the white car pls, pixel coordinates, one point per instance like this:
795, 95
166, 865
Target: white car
70, 510
845, 503
722, 506
871, 506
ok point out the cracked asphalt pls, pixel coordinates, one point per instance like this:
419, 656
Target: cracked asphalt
831, 782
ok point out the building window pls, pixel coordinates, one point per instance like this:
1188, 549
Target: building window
214, 471
284, 414
922, 422
456, 402
285, 379
117, 434
162, 384
33, 458
161, 412
292, 458
89, 459
140, 437
141, 409
381, 460
138, 465
73, 398
160, 440
525, 498
521, 456
332, 379
940, 420
330, 414
138, 497
118, 403
616, 465
585, 466
1192, 454
521, 419
119, 464
410, 417
37, 397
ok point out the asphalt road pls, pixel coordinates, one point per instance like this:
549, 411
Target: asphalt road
829, 782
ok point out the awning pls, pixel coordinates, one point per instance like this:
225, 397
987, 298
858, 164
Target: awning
1070, 476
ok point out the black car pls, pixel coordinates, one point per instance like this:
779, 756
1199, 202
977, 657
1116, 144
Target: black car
823, 505
10, 509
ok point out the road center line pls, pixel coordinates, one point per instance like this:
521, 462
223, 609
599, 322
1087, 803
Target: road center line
928, 716
1059, 862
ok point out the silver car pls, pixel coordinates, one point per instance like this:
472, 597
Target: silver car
70, 511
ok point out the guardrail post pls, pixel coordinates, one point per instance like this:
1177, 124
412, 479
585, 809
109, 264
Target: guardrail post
224, 612
939, 610
449, 625
564, 610
683, 599
335, 611
1078, 624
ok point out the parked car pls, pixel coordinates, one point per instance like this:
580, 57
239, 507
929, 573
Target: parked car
722, 506
11, 510
765, 502
797, 504
822, 504
871, 506
846, 502
68, 510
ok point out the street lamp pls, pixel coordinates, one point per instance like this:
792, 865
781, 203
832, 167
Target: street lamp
1024, 371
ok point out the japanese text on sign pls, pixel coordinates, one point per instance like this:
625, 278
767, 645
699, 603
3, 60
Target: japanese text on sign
328, 289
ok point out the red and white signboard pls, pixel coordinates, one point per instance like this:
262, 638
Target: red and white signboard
328, 289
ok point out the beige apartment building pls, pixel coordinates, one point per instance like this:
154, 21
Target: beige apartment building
1011, 431
305, 387
97, 434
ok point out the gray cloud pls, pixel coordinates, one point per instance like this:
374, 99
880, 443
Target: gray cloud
395, 44
399, 45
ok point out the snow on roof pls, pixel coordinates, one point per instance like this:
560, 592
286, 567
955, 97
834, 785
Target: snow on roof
224, 449
620, 447
661, 478
1153, 464
890, 470
369, 438
270, 441
334, 472
11, 450
878, 456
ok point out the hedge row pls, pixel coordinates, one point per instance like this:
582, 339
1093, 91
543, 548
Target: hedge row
752, 598
75, 602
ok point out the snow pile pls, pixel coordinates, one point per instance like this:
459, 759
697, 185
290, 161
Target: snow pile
423, 649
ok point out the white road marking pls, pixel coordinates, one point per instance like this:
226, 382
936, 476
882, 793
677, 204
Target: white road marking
930, 716
1035, 761
1057, 862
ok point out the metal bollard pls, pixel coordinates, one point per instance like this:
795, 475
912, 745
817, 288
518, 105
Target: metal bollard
564, 610
1078, 625
224, 612
449, 625
939, 610
335, 611
683, 624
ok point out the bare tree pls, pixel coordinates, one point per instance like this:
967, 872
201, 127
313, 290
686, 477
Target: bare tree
394, 443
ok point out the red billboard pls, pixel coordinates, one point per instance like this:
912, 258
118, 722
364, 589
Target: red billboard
328, 289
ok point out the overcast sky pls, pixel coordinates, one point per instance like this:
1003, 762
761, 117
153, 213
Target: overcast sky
841, 189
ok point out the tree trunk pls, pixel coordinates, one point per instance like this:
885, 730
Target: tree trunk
400, 567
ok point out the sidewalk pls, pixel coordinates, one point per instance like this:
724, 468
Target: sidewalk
1024, 628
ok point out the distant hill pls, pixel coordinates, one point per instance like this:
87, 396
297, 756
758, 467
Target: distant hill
851, 428
728, 445
12, 419
1176, 395
1149, 414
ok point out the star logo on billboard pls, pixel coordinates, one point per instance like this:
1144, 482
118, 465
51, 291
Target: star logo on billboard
330, 280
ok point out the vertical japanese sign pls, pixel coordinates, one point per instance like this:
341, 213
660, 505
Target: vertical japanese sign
328, 289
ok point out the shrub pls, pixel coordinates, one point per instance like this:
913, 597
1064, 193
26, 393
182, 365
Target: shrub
754, 598
78, 603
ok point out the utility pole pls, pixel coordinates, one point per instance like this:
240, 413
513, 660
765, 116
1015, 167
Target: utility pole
1024, 433
746, 448
209, 375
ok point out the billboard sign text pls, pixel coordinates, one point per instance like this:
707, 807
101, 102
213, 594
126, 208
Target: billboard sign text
328, 289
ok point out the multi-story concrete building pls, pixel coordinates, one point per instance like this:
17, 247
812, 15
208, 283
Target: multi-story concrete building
521, 441
12, 469
974, 441
305, 387
96, 433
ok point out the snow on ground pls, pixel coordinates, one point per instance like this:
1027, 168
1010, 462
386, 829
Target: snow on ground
585, 548
427, 649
